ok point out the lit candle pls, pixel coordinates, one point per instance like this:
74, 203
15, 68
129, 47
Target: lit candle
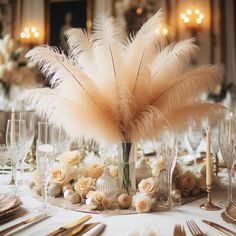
13, 123
208, 158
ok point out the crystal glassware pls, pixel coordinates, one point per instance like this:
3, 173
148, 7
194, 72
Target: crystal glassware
29, 118
45, 158
194, 136
15, 140
169, 149
227, 143
61, 140
4, 157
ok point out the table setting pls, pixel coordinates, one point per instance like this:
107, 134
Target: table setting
123, 144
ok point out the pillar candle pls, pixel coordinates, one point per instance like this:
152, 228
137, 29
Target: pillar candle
208, 159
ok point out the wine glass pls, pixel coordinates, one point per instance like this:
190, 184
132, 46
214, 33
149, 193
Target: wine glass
45, 158
29, 118
227, 143
194, 136
169, 149
15, 138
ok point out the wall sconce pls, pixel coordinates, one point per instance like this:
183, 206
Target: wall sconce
192, 17
29, 35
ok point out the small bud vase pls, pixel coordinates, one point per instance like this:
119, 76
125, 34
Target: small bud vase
126, 167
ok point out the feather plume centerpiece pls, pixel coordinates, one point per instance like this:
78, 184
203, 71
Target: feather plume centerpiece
117, 90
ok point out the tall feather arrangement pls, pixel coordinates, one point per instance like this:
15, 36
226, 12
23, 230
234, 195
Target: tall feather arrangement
115, 90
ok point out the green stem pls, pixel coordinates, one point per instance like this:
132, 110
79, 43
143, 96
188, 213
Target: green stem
126, 149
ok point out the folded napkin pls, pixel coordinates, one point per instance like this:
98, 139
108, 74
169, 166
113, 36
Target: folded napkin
96, 230
145, 230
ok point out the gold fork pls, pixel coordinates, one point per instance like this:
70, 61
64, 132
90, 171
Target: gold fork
194, 229
179, 230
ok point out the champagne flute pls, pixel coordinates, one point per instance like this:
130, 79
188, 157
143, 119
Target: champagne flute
4, 158
227, 142
60, 140
15, 138
29, 118
169, 149
194, 138
45, 158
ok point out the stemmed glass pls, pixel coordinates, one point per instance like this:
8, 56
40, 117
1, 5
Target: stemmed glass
169, 149
29, 118
4, 158
45, 157
15, 138
194, 138
60, 141
227, 142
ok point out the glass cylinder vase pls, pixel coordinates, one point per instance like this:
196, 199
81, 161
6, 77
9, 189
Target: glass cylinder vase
126, 167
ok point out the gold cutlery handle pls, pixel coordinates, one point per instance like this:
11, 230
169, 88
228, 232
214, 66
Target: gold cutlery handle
56, 232
11, 228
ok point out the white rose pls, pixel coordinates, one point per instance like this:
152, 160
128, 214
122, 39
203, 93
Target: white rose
71, 158
96, 196
147, 186
95, 170
84, 185
60, 176
142, 203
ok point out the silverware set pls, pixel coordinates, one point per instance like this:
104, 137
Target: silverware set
75, 228
179, 230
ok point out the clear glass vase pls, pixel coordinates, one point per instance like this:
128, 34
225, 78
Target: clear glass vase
126, 167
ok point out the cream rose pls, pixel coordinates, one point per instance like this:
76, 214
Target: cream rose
113, 171
71, 158
84, 185
59, 176
147, 186
95, 170
142, 203
96, 196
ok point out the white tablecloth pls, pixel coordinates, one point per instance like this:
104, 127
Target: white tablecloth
162, 222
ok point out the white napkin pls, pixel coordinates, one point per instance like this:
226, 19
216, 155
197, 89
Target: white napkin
96, 230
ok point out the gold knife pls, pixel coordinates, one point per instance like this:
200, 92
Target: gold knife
71, 225
25, 222
220, 228
83, 229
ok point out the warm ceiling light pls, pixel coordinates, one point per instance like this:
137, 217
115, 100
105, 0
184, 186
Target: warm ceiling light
27, 35
186, 20
26, 29
199, 21
36, 34
22, 35
139, 11
33, 29
182, 15
164, 31
201, 16
197, 11
189, 12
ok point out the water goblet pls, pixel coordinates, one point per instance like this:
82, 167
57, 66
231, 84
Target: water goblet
45, 159
169, 150
15, 138
227, 143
